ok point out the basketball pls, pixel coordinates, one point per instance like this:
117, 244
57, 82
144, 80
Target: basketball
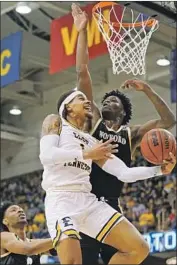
157, 144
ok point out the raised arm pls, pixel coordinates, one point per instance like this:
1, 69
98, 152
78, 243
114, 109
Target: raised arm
166, 120
10, 242
84, 82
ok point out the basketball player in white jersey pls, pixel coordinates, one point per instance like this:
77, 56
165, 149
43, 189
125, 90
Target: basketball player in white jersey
66, 153
111, 122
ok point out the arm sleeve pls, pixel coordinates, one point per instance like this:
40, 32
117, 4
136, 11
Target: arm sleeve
118, 168
50, 153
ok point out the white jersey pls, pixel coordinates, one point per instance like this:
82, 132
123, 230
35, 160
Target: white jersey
73, 175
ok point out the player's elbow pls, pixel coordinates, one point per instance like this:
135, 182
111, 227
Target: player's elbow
170, 123
82, 70
46, 158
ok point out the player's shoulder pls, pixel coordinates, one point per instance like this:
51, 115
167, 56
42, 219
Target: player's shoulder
50, 118
125, 127
52, 124
134, 130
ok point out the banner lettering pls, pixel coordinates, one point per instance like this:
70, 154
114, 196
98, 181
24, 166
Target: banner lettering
64, 40
10, 58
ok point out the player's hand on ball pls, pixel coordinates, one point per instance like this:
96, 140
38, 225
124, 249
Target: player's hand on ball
168, 165
101, 151
80, 17
136, 84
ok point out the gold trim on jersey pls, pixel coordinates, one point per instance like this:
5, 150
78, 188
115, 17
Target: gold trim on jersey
108, 226
95, 126
72, 233
4, 255
58, 235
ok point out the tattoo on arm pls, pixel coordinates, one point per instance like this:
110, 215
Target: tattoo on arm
51, 125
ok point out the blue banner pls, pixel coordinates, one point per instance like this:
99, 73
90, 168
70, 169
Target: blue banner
173, 76
11, 47
161, 241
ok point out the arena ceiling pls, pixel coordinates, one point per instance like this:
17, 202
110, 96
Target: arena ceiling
36, 87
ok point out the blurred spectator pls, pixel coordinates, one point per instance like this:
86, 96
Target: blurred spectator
138, 208
39, 218
146, 221
31, 229
171, 221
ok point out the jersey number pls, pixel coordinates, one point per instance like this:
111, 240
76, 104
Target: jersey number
82, 146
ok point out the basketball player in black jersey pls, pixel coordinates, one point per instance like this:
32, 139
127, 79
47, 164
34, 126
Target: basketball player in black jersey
111, 122
16, 249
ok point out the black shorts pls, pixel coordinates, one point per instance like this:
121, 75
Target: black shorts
92, 249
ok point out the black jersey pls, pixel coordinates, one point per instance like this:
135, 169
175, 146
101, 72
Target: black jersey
104, 184
17, 259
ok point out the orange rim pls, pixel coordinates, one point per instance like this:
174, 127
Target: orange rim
149, 22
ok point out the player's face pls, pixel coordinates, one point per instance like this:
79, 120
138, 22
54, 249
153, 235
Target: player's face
112, 108
15, 215
80, 107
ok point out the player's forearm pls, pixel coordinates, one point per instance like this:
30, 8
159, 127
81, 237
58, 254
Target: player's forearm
27, 248
82, 56
51, 154
84, 82
118, 168
40, 246
162, 108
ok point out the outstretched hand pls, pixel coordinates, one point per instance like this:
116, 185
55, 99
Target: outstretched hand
136, 84
168, 165
80, 17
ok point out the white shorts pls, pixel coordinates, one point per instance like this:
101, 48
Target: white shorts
69, 213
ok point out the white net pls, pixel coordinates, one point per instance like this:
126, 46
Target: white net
127, 42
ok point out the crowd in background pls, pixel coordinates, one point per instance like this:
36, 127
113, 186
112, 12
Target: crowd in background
149, 205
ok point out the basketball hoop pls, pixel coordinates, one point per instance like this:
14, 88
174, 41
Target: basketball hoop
126, 42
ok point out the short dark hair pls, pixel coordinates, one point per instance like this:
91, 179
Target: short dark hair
61, 99
125, 102
3, 207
